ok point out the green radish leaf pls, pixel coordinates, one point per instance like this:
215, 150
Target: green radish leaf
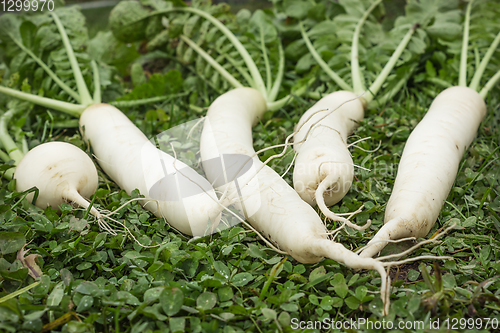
297, 8
27, 31
9, 24
445, 30
125, 21
262, 24
137, 74
304, 64
430, 70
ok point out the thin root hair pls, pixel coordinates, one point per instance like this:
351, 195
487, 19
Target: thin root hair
389, 241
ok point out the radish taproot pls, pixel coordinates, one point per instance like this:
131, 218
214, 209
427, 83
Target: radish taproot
130, 159
62, 172
432, 155
185, 198
324, 169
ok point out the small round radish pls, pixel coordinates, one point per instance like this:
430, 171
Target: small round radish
429, 165
61, 172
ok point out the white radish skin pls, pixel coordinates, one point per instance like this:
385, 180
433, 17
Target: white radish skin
61, 172
429, 166
189, 204
282, 216
324, 157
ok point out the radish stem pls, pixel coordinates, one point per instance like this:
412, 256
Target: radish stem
379, 81
46, 68
97, 82
231, 79
252, 67
68, 108
279, 77
240, 70
9, 145
5, 157
490, 84
462, 78
357, 77
479, 71
142, 101
80, 82
324, 66
266, 59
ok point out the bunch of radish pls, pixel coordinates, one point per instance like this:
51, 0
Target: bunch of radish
269, 204
323, 171
228, 130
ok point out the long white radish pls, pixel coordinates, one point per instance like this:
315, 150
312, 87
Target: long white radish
429, 165
432, 154
281, 215
324, 169
182, 196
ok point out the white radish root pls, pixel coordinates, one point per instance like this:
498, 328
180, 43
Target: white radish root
322, 141
272, 207
62, 172
185, 199
429, 165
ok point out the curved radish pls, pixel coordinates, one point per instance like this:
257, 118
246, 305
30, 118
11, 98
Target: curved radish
321, 135
324, 170
282, 216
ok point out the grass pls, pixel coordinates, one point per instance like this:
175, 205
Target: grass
231, 281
